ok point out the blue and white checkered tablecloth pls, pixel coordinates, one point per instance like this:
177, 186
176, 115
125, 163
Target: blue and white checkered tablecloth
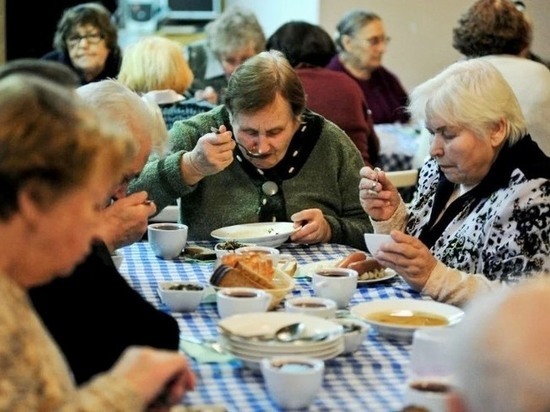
371, 379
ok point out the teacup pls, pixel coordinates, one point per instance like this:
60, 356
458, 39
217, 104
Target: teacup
235, 300
257, 249
293, 381
311, 305
167, 239
338, 284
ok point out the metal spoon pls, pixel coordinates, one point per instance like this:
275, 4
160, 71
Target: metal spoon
287, 333
255, 155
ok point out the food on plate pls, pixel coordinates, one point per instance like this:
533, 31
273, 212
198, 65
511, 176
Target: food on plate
408, 318
249, 269
183, 286
367, 268
199, 253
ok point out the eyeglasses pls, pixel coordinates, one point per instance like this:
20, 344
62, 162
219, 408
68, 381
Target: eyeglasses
376, 40
91, 38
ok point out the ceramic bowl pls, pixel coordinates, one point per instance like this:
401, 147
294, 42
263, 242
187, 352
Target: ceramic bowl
312, 305
293, 381
375, 240
355, 332
181, 296
230, 246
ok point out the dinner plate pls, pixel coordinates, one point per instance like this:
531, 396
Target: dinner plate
266, 323
253, 362
452, 314
310, 268
262, 233
267, 351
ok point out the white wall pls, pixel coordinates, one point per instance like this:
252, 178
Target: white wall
421, 30
273, 13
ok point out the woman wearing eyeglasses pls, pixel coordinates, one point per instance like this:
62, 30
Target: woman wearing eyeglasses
86, 40
361, 42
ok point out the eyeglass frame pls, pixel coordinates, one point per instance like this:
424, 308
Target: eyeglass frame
91, 38
375, 41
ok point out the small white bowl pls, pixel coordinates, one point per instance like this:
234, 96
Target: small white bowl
375, 240
221, 248
293, 381
312, 305
181, 300
257, 249
355, 332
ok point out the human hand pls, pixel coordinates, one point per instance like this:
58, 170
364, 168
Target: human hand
409, 257
125, 220
208, 94
313, 227
212, 154
156, 374
378, 196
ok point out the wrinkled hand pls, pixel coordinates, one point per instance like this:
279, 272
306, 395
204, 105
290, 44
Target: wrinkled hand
378, 196
409, 257
314, 227
208, 94
212, 154
150, 371
125, 220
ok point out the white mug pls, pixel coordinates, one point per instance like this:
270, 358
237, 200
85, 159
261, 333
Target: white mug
234, 300
293, 381
167, 239
338, 284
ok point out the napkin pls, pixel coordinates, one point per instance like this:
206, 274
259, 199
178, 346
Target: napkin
202, 352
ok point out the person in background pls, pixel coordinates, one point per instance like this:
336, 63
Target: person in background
497, 31
481, 214
155, 67
528, 53
86, 40
48, 218
122, 311
362, 41
268, 159
230, 39
499, 356
329, 93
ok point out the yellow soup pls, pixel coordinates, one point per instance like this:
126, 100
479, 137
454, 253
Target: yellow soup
408, 318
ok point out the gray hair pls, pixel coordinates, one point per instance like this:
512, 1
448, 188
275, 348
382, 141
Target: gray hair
257, 81
470, 95
235, 29
127, 110
351, 23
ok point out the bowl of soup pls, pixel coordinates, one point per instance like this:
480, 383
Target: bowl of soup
398, 318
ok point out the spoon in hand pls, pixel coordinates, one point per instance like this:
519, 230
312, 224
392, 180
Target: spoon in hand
255, 155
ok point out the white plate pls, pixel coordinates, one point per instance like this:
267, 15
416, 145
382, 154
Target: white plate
262, 233
451, 313
253, 363
269, 322
243, 350
310, 268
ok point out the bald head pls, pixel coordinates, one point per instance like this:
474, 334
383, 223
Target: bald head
501, 356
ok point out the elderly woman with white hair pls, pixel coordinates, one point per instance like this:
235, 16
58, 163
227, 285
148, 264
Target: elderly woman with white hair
481, 215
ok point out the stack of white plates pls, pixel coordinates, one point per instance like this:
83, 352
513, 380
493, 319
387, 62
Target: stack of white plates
237, 337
